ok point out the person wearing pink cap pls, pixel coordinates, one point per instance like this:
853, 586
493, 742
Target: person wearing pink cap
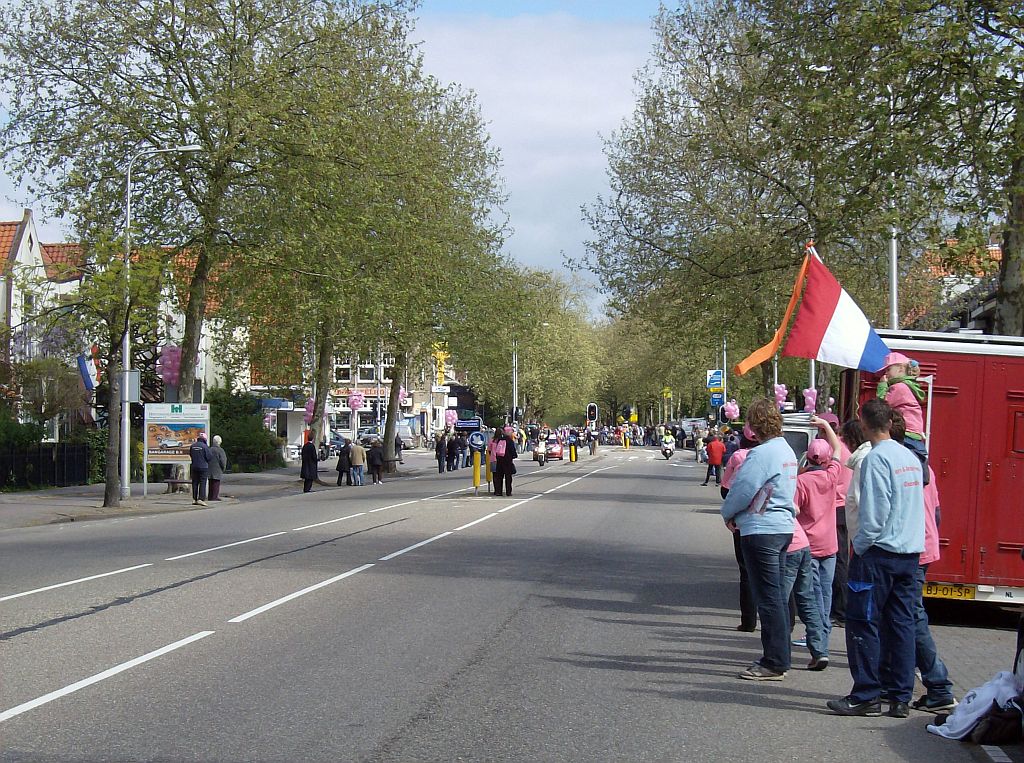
901, 391
815, 501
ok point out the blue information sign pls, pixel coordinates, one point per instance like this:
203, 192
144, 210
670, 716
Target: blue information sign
717, 399
476, 440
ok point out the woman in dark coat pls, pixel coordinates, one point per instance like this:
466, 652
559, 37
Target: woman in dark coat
504, 467
440, 452
375, 461
310, 458
344, 466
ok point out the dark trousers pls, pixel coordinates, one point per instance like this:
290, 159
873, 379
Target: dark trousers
748, 608
765, 558
347, 472
214, 490
883, 594
842, 568
307, 485
199, 477
714, 470
502, 478
375, 474
440, 466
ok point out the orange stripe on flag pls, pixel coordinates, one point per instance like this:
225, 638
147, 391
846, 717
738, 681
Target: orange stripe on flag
760, 355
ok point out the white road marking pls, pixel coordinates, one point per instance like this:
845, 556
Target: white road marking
519, 503
475, 522
8, 714
996, 754
414, 546
226, 545
297, 594
72, 582
328, 522
559, 487
395, 505
450, 492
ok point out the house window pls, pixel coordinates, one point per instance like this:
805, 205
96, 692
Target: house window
342, 374
367, 373
29, 301
367, 419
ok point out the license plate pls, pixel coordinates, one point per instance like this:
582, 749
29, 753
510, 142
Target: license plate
948, 591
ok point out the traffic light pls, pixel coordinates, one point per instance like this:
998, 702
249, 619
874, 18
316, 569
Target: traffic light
592, 412
627, 411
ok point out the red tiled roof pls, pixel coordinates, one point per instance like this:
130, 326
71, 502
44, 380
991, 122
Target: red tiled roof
63, 262
8, 232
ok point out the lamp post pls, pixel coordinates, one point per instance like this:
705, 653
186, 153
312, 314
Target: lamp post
515, 374
126, 349
894, 305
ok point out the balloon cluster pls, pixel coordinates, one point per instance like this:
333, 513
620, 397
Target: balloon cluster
732, 410
402, 394
450, 417
831, 402
810, 400
308, 417
168, 364
780, 395
355, 401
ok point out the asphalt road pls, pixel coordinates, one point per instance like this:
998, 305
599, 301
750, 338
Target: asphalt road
589, 617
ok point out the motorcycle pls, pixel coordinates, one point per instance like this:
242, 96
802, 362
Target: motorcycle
539, 454
667, 449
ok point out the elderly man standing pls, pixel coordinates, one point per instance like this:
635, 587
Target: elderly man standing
882, 583
201, 456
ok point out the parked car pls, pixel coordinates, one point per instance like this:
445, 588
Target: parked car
366, 435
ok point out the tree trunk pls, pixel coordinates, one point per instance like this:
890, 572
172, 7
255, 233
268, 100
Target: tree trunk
195, 311
391, 423
324, 374
111, 477
1010, 294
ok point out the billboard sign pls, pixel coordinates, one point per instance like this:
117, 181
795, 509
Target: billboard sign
171, 428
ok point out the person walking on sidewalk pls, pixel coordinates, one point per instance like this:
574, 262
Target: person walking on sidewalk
201, 457
440, 452
344, 465
375, 462
217, 467
883, 588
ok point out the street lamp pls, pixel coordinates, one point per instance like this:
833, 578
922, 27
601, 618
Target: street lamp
515, 374
126, 350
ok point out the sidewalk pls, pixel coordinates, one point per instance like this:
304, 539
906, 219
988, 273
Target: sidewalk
71, 504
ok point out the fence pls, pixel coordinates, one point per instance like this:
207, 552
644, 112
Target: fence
45, 465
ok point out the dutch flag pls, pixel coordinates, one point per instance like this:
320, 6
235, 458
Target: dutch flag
87, 368
830, 327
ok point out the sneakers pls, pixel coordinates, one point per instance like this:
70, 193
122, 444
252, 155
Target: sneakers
201, 503
818, 663
929, 705
758, 672
898, 709
745, 628
871, 708
799, 642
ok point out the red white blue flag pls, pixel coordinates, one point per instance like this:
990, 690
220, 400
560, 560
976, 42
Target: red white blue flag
87, 368
830, 327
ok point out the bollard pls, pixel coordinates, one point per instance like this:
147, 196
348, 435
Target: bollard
476, 471
487, 473
573, 456
625, 442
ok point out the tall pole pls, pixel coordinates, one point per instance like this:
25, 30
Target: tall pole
894, 307
515, 378
725, 369
126, 347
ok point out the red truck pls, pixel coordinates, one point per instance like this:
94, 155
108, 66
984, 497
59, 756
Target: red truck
976, 449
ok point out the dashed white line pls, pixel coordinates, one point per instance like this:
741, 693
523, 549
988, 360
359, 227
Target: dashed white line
559, 487
476, 521
297, 594
996, 754
414, 546
226, 545
519, 503
328, 522
395, 505
450, 492
25, 707
72, 582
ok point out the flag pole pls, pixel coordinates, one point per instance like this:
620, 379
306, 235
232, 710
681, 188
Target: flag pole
809, 247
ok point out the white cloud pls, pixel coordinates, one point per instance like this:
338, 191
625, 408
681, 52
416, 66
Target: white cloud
549, 86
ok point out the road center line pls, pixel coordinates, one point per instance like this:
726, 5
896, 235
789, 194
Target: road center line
8, 714
226, 545
72, 582
328, 522
520, 503
450, 492
475, 522
559, 487
396, 505
297, 594
414, 546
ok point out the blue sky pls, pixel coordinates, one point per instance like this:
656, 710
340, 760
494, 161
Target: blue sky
552, 78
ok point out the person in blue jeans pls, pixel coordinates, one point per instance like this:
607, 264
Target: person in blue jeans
799, 581
883, 587
760, 507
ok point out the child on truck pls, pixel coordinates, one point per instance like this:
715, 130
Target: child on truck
899, 388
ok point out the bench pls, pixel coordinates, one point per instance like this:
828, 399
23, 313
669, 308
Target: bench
173, 484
